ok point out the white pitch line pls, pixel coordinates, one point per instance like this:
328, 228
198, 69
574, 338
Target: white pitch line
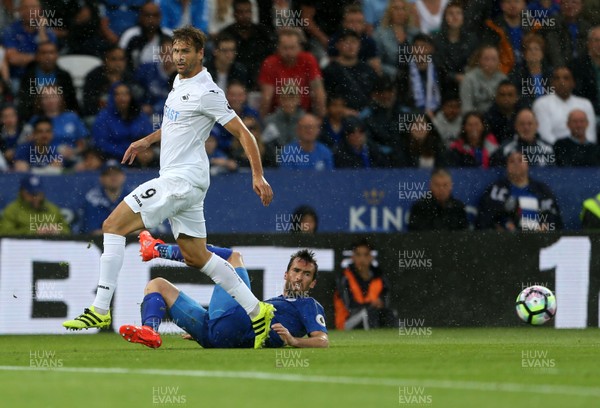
549, 389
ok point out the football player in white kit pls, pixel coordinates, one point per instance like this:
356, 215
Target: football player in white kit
193, 106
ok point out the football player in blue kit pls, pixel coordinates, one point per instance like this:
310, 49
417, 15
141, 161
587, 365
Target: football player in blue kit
226, 324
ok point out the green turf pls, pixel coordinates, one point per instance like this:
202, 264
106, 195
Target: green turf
448, 368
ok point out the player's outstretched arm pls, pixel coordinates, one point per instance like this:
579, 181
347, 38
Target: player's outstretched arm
139, 146
317, 339
237, 128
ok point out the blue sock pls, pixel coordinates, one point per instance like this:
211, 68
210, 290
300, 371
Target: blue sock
173, 253
154, 309
224, 253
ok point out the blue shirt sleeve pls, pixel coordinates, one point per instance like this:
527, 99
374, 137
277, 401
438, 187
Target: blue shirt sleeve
313, 316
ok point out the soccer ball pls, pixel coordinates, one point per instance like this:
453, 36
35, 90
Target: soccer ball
536, 305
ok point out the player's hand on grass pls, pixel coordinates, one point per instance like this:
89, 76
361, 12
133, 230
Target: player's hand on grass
133, 150
285, 335
186, 336
263, 189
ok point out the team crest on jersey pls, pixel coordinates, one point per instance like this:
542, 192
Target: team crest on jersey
185, 97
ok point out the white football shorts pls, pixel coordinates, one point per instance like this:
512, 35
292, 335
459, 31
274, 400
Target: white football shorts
170, 198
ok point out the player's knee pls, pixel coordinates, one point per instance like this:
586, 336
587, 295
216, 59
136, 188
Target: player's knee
156, 285
108, 226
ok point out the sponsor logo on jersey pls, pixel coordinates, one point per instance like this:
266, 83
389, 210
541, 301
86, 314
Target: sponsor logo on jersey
185, 97
171, 113
137, 200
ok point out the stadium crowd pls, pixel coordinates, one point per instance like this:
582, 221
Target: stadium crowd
321, 84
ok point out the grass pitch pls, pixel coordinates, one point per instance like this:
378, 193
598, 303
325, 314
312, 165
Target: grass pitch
536, 367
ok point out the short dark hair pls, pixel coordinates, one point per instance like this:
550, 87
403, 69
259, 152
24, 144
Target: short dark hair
363, 242
240, 2
42, 119
307, 256
440, 171
223, 37
303, 210
190, 34
423, 38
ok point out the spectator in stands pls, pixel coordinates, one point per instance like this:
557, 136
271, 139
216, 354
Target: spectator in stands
154, 77
22, 37
347, 75
305, 219
381, 117
99, 81
421, 145
544, 8
91, 160
102, 199
120, 123
395, 35
478, 88
9, 133
291, 67
122, 14
448, 120
45, 71
218, 159
306, 152
87, 31
354, 20
475, 144
374, 12
590, 213
585, 69
591, 11
178, 13
3, 163
6, 93
221, 14
254, 41
420, 84
142, 42
566, 40
355, 150
526, 141
506, 32
70, 133
267, 151
552, 110
332, 129
533, 75
430, 15
222, 66
516, 202
317, 39
439, 211
362, 296
41, 154
501, 115
576, 150
453, 45
281, 125
31, 213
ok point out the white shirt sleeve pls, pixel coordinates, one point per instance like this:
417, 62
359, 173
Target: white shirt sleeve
214, 105
590, 133
543, 115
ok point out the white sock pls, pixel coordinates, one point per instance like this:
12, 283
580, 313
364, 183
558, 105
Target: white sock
222, 273
111, 262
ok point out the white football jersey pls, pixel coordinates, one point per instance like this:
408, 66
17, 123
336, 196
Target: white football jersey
191, 110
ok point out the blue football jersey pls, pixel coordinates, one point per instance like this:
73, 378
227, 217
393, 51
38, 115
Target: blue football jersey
299, 315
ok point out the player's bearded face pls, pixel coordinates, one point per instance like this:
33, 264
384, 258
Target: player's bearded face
299, 279
187, 59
